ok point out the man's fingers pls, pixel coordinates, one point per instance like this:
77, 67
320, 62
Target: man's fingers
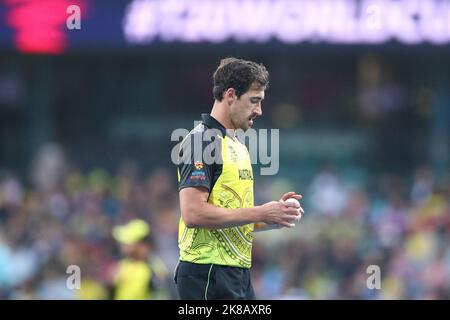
294, 205
287, 195
291, 194
290, 217
291, 211
287, 224
291, 204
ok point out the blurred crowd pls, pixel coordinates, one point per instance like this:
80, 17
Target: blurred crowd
397, 229
60, 216
64, 217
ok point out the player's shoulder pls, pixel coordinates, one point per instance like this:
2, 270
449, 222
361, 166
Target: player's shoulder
199, 143
202, 133
196, 134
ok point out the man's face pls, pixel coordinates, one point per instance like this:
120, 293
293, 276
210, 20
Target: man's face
246, 108
139, 250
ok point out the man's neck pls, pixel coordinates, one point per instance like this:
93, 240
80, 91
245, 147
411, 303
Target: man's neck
220, 113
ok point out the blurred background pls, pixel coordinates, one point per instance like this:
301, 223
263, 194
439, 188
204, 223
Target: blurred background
363, 111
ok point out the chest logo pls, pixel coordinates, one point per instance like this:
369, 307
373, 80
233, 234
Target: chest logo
232, 154
245, 174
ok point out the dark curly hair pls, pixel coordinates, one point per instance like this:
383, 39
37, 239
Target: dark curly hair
240, 75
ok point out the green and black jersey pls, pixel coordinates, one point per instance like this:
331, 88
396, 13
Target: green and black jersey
230, 184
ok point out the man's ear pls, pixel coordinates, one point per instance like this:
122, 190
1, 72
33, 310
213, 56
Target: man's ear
230, 95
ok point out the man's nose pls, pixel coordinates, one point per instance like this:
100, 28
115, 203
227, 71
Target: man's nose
258, 110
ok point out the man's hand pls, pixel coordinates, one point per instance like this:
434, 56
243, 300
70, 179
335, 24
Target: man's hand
280, 214
290, 195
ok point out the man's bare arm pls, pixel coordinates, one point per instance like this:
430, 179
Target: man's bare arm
197, 212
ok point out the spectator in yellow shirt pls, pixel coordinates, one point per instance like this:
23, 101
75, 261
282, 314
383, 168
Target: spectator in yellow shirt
140, 274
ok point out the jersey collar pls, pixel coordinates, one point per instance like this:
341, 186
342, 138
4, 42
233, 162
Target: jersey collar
211, 122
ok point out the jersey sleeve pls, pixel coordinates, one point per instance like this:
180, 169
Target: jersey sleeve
192, 170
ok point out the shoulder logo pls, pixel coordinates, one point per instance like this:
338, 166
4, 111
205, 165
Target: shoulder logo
198, 165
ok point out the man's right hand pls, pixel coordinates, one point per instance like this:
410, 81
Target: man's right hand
280, 213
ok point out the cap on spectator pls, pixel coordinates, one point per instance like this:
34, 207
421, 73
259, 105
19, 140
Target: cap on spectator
132, 232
